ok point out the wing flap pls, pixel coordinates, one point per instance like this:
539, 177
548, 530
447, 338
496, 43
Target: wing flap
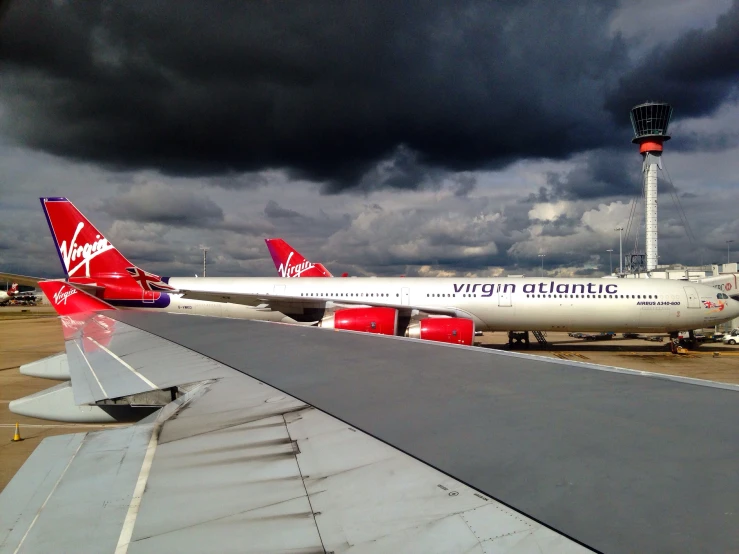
110, 359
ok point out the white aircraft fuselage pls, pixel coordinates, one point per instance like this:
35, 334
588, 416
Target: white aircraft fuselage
174, 303
497, 304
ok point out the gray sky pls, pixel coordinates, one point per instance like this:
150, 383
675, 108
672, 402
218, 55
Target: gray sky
378, 138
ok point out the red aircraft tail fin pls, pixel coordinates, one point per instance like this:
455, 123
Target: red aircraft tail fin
290, 263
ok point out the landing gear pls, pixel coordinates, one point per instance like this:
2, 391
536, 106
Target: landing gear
690, 343
680, 345
516, 338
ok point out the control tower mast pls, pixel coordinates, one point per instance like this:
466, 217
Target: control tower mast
650, 121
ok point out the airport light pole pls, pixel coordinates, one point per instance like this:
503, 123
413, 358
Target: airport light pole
205, 254
620, 250
610, 258
542, 263
728, 251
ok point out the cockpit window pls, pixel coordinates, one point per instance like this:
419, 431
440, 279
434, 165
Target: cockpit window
722, 296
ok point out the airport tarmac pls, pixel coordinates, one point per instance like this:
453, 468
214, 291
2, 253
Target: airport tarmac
713, 361
28, 334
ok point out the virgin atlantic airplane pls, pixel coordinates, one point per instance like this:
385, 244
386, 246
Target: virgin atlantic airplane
441, 309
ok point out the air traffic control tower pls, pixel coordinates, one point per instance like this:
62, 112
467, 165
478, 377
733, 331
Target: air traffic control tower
650, 121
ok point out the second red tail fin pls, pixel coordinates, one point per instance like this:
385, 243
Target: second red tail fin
290, 263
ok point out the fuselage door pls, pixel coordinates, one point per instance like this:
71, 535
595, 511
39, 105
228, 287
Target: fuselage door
504, 298
279, 290
693, 300
149, 296
405, 296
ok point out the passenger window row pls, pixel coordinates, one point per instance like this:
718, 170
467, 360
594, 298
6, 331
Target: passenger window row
471, 295
348, 294
634, 296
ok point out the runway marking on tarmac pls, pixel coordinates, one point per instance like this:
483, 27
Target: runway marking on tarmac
568, 355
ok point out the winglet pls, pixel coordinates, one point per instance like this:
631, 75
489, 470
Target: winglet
68, 300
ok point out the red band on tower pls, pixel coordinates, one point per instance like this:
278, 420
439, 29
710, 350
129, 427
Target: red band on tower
650, 146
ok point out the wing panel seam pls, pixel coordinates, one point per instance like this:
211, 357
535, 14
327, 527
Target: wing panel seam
127, 366
91, 370
53, 490
124, 540
302, 480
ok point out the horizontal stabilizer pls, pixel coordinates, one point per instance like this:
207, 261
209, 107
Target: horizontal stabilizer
69, 300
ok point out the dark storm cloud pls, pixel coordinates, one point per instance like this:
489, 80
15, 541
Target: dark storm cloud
401, 171
274, 211
696, 73
600, 173
464, 184
705, 142
327, 91
176, 206
160, 203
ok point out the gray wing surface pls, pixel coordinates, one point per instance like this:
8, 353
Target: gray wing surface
237, 465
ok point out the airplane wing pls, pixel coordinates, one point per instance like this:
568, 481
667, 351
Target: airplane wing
28, 281
25, 280
289, 303
235, 464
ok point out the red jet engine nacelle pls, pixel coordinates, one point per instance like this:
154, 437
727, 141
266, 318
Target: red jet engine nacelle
381, 321
454, 330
